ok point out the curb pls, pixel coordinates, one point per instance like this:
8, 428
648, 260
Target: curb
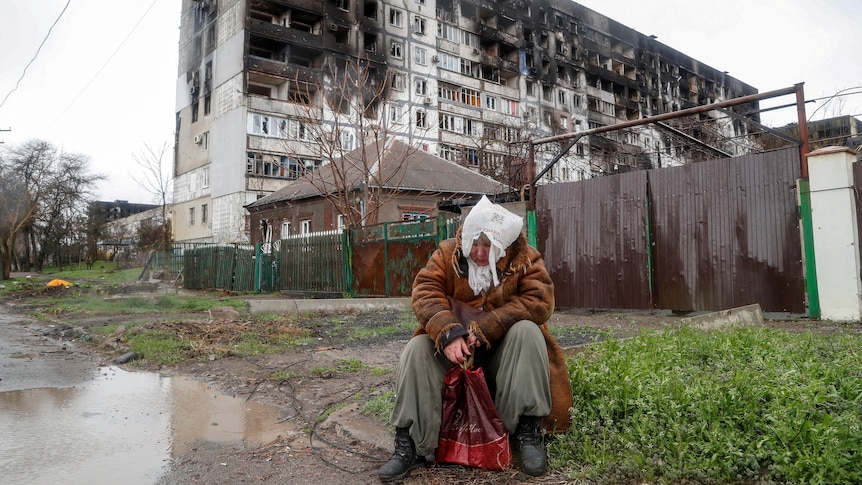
333, 305
744, 316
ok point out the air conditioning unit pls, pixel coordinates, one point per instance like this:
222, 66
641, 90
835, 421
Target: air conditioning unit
435, 59
333, 27
198, 139
427, 99
475, 52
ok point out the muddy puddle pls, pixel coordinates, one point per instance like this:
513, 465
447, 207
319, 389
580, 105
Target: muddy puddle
121, 427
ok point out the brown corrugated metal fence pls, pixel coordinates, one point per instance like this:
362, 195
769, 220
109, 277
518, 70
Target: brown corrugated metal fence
706, 236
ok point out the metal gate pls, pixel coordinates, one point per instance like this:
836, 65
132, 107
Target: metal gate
386, 257
706, 236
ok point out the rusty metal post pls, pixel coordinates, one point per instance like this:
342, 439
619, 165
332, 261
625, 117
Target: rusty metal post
803, 130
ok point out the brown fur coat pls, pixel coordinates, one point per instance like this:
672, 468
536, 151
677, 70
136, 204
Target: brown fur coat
526, 292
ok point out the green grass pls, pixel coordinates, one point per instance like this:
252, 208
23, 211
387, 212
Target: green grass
380, 406
366, 333
737, 406
96, 305
159, 348
104, 271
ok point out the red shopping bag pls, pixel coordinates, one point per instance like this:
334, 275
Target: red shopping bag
471, 432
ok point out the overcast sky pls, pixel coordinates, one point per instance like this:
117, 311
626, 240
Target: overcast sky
103, 83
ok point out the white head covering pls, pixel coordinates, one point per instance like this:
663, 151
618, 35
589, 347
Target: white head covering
501, 227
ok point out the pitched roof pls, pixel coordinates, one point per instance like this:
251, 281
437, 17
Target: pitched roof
394, 165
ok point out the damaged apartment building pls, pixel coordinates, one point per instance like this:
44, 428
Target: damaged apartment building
268, 90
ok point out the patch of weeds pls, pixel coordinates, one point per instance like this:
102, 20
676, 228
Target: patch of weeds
380, 406
252, 344
280, 376
351, 366
408, 319
159, 348
268, 317
684, 407
379, 371
322, 370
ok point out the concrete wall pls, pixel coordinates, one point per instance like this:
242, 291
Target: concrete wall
836, 240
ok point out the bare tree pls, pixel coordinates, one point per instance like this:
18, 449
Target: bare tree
348, 120
156, 180
16, 212
48, 192
66, 195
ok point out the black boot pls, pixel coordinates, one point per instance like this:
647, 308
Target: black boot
527, 446
403, 460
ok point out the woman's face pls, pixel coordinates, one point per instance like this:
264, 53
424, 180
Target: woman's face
480, 251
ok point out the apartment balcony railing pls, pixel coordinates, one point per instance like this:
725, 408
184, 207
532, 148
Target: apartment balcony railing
285, 34
284, 70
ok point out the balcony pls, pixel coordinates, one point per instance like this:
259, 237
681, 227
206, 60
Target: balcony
285, 34
497, 35
283, 70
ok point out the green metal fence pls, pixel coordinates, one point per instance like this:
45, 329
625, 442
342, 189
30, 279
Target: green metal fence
313, 263
378, 260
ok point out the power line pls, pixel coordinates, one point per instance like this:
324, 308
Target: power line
36, 54
830, 98
120, 46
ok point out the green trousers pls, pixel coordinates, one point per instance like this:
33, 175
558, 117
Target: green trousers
516, 369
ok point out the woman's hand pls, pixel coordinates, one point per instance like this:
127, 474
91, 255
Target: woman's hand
459, 349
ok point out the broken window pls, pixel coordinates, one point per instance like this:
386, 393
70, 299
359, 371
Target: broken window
472, 157
398, 81
370, 10
421, 119
450, 153
421, 87
395, 17
395, 113
395, 49
370, 42
419, 25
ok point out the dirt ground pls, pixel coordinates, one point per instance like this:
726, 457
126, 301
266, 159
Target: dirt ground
344, 446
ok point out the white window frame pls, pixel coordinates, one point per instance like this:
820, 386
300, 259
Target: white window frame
491, 102
420, 26
421, 86
398, 81
420, 56
396, 17
396, 49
